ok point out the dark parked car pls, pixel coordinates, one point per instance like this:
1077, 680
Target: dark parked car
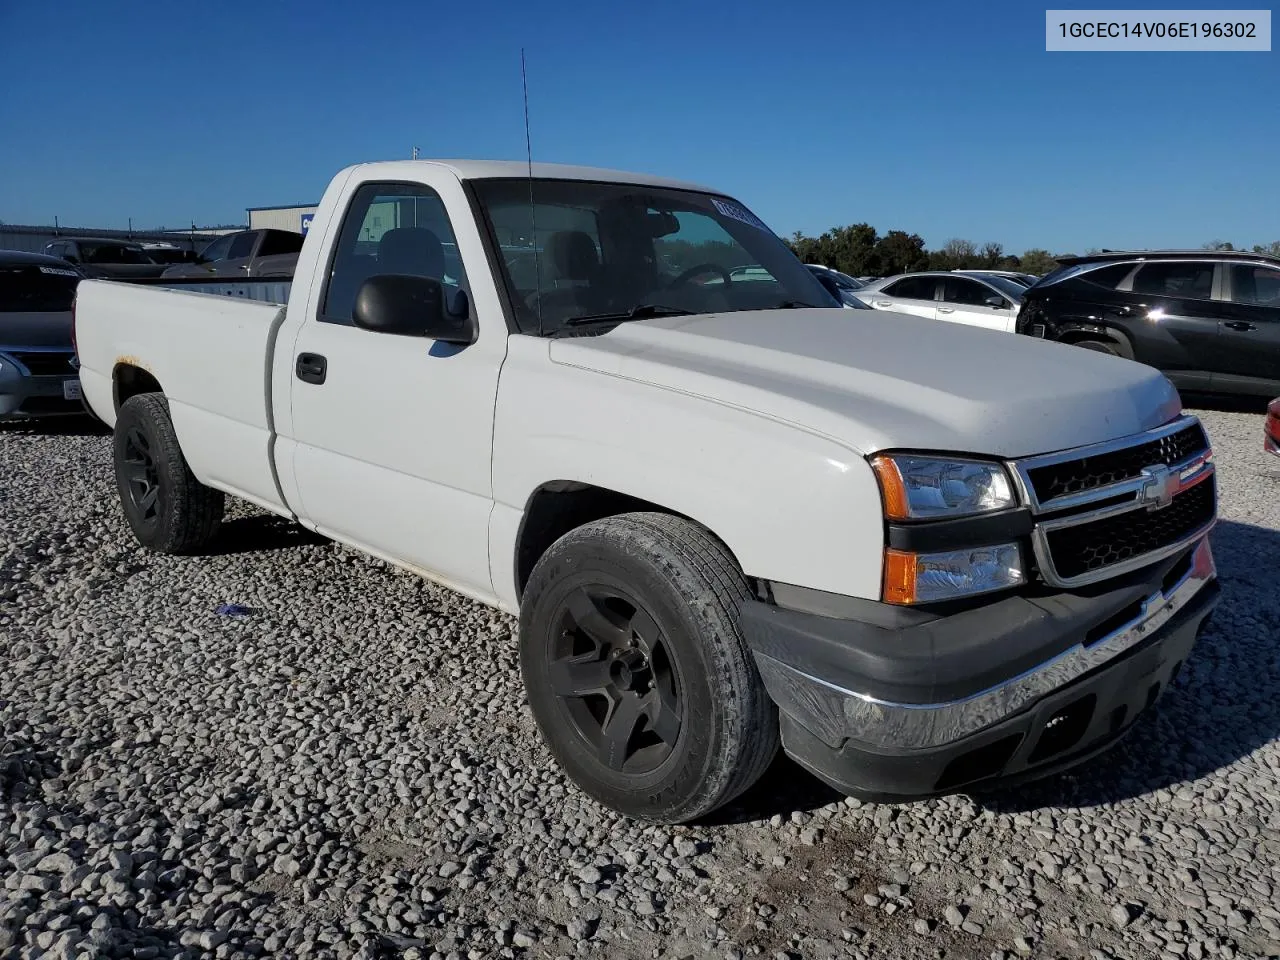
1209, 320
246, 253
169, 253
38, 374
106, 259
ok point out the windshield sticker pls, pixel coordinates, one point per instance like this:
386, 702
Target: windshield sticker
739, 213
59, 272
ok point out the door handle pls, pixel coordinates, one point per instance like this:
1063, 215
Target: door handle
883, 304
946, 309
311, 368
1241, 325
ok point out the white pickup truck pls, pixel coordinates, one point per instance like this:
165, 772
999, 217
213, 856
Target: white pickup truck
730, 515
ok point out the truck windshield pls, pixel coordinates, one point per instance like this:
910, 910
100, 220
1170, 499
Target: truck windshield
584, 251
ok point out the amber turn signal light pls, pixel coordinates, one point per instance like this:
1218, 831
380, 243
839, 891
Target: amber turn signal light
900, 576
892, 490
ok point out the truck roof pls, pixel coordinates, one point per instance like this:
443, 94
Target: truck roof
501, 169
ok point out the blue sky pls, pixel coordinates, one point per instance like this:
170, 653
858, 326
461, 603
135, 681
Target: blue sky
946, 119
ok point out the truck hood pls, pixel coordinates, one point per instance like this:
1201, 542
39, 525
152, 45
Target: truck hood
878, 381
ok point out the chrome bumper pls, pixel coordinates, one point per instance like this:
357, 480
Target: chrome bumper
835, 713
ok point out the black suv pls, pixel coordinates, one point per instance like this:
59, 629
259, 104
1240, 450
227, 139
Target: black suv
1209, 320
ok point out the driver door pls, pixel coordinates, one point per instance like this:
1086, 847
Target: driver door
394, 433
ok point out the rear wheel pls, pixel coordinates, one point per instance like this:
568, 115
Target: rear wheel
636, 670
167, 508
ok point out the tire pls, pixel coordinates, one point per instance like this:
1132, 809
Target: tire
654, 708
167, 508
1101, 346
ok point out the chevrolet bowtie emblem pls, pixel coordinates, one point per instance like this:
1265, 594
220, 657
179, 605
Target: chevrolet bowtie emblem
1160, 487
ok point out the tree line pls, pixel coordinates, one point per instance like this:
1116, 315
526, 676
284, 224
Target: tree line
859, 250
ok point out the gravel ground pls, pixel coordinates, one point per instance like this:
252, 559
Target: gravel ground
351, 771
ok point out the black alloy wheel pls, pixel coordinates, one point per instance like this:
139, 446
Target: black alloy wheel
611, 669
141, 475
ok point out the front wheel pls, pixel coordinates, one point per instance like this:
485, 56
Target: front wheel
167, 508
636, 669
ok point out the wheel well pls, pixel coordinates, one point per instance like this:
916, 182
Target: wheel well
129, 381
1110, 336
558, 507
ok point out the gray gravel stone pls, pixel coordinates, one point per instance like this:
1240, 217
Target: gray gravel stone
1122, 914
342, 776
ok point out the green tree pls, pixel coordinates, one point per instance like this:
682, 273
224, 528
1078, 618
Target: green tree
900, 252
1218, 245
1272, 248
1038, 261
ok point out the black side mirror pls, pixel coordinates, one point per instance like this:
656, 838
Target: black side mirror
412, 307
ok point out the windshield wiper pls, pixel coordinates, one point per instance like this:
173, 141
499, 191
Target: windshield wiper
640, 311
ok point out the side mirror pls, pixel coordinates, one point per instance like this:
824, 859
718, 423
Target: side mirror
995, 301
71, 258
411, 307
662, 224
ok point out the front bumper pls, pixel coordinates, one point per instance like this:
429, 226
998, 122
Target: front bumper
23, 396
899, 705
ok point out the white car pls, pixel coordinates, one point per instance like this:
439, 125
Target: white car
980, 301
914, 556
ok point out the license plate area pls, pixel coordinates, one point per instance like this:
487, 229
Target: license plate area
71, 390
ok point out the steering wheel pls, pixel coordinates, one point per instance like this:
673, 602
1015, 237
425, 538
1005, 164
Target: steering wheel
696, 270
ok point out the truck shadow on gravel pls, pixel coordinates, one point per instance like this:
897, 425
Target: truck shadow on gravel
261, 532
1222, 708
85, 426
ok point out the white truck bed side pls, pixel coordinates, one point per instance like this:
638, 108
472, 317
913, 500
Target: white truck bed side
211, 356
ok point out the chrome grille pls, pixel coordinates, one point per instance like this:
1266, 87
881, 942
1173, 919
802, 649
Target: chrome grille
1112, 466
1107, 509
1098, 544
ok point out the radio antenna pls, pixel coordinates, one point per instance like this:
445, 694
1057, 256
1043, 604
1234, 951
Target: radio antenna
533, 215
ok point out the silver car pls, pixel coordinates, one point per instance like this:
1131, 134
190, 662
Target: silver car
991, 302
38, 373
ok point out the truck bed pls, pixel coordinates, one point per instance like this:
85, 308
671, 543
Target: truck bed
210, 353
272, 290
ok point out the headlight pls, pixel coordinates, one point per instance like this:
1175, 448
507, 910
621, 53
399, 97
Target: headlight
931, 488
931, 577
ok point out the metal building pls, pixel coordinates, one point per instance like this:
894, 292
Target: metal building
296, 217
